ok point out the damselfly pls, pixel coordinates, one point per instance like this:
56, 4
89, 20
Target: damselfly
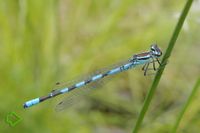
144, 58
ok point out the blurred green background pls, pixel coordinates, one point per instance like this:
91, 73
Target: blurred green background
46, 41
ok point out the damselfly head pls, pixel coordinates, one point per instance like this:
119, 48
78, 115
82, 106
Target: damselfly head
155, 50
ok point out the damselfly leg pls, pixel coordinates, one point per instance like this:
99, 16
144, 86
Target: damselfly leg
153, 62
159, 62
146, 68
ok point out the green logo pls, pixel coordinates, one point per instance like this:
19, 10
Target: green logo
12, 119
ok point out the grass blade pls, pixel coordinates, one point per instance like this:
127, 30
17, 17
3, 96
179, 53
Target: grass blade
161, 69
180, 116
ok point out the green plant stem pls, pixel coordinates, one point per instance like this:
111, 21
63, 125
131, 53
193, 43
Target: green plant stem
161, 69
189, 100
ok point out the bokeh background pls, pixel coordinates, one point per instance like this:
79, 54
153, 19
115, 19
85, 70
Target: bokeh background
46, 41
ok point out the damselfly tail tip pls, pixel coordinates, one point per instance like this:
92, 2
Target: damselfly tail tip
25, 106
31, 102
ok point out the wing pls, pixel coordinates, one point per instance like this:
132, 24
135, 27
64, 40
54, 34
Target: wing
73, 97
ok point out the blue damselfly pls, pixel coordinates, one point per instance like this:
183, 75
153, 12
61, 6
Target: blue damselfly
144, 58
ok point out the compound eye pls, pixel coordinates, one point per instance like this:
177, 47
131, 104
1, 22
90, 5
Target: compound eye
152, 49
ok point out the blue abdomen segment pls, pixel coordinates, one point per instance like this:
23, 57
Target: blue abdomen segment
113, 71
80, 84
97, 77
64, 90
31, 102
